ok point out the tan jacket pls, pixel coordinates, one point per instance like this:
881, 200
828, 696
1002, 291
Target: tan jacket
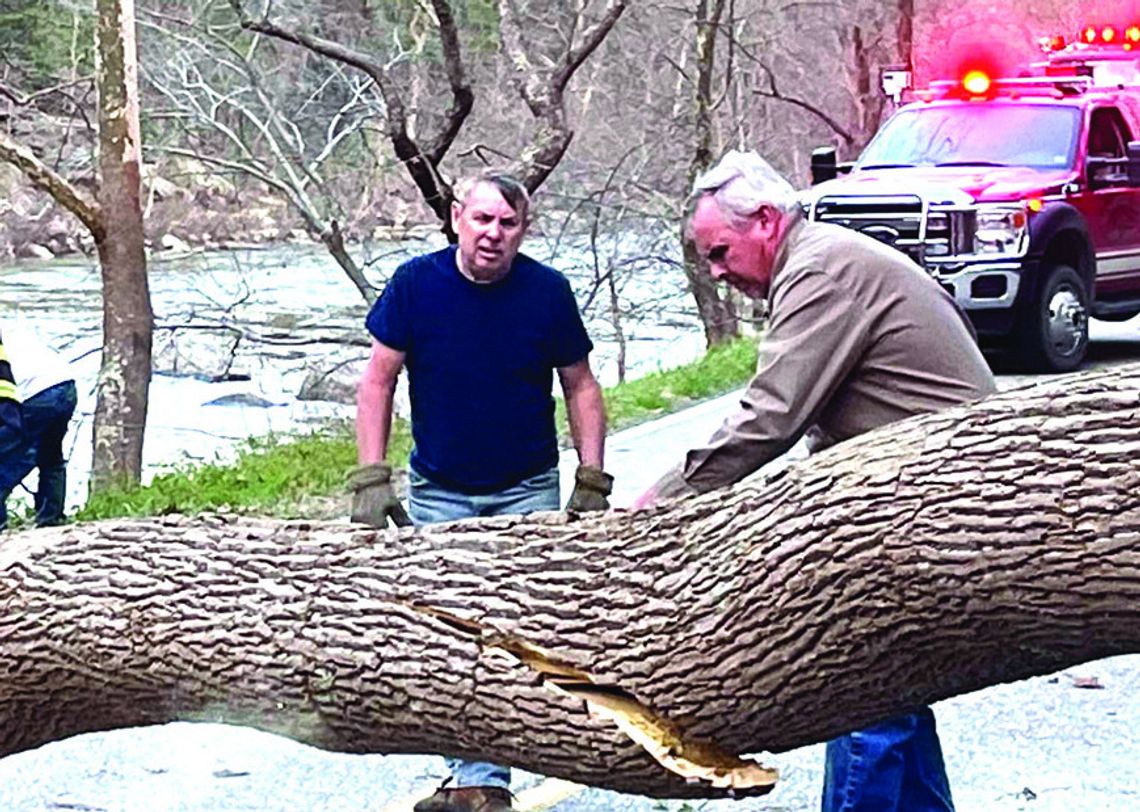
859, 336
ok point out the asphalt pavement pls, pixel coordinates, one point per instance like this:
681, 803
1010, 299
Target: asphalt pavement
1061, 743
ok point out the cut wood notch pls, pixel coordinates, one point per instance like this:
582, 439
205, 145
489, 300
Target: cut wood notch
692, 759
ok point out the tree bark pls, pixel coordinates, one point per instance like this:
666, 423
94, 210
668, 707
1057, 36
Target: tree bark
933, 557
905, 33
128, 322
717, 314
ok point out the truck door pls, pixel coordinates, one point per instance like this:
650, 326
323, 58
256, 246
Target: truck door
1112, 209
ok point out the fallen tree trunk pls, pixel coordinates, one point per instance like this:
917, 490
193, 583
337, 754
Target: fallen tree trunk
937, 556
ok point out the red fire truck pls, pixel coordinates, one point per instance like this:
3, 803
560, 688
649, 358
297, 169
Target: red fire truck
1020, 195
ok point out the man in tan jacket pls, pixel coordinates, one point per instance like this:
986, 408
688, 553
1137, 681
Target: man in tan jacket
858, 337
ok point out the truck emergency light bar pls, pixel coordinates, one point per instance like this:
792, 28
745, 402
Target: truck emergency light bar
1109, 34
977, 85
1125, 38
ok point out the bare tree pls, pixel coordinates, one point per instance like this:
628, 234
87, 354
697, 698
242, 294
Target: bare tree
718, 315
219, 87
421, 155
541, 86
114, 219
637, 651
128, 321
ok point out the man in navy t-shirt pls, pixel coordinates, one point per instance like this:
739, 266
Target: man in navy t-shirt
481, 330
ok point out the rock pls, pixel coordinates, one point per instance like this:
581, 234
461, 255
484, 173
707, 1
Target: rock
207, 355
337, 384
163, 189
243, 399
171, 243
35, 251
60, 226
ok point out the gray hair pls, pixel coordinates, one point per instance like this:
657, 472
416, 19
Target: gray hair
510, 187
742, 183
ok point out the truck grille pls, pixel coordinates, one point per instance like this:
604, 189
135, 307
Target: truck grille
904, 222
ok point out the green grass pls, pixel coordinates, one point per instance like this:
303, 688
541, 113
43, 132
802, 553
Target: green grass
721, 369
271, 475
282, 475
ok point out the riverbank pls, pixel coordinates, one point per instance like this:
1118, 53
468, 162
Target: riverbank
189, 208
270, 341
303, 475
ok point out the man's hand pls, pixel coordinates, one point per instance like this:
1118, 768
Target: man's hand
591, 487
373, 500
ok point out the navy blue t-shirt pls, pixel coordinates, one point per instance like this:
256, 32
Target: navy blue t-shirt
480, 360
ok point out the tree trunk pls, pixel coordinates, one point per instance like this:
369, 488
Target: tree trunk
128, 322
905, 33
717, 314
933, 557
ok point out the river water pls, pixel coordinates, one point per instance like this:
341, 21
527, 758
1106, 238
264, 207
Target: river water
238, 333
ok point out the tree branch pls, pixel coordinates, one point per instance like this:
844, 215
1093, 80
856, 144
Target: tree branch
46, 179
591, 37
462, 98
542, 90
774, 93
421, 164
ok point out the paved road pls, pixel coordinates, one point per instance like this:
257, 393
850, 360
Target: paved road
1043, 744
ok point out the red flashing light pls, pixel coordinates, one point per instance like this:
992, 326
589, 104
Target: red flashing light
1089, 35
976, 83
1108, 34
1057, 43
1132, 34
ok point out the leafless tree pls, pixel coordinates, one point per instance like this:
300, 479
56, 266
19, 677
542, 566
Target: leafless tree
114, 219
718, 315
542, 87
231, 120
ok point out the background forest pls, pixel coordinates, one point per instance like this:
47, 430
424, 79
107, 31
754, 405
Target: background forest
251, 138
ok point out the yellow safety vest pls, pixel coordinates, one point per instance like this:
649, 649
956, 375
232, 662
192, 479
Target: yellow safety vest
7, 382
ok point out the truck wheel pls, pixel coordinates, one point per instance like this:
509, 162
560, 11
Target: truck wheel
1054, 333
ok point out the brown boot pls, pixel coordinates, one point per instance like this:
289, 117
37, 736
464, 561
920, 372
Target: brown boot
467, 799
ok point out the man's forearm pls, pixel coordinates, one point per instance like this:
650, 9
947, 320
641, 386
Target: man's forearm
373, 422
586, 414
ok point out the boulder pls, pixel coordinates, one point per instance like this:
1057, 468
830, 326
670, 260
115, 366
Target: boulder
207, 355
35, 251
169, 242
337, 384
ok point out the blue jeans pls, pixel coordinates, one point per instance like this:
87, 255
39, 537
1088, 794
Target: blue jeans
894, 766
429, 503
38, 445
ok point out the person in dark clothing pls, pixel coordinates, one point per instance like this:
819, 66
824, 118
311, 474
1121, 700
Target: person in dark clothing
481, 329
37, 401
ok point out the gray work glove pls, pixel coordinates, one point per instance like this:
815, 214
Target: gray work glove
373, 499
591, 487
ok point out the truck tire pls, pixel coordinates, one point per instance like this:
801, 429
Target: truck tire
1054, 329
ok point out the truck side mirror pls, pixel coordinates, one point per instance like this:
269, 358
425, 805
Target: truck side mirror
823, 164
1102, 172
1134, 163
895, 80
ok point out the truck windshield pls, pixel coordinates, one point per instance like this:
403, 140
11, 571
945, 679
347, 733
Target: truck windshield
972, 134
